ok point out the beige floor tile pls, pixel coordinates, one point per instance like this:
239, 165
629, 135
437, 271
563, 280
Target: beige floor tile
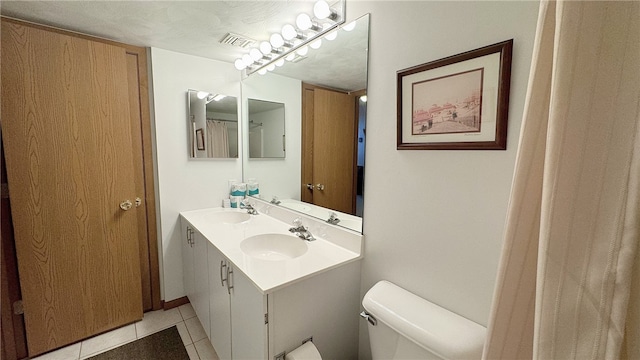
195, 329
184, 333
191, 350
71, 352
106, 341
187, 311
155, 321
205, 350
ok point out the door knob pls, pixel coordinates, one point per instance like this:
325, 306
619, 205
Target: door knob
138, 201
126, 205
320, 187
310, 186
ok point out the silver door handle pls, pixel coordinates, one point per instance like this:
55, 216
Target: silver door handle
223, 265
229, 277
320, 187
309, 186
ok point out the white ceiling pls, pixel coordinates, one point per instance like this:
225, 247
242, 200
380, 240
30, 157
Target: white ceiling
196, 27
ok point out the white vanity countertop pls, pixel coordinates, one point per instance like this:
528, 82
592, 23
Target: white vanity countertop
270, 275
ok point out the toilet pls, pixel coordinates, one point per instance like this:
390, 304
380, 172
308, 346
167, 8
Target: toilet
403, 325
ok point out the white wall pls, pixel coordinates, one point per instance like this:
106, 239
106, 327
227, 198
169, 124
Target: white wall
433, 220
283, 174
185, 184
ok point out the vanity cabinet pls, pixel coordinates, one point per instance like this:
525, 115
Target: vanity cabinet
196, 274
237, 311
243, 321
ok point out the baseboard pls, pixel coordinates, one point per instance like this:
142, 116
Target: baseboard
166, 305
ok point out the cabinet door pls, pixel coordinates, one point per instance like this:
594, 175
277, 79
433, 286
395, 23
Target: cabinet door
248, 309
219, 305
200, 301
187, 258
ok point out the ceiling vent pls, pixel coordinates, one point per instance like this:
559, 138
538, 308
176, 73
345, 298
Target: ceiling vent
237, 40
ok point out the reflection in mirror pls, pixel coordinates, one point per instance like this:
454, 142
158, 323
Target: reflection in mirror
213, 125
318, 88
266, 129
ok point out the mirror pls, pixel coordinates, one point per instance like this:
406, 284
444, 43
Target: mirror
266, 129
213, 125
307, 85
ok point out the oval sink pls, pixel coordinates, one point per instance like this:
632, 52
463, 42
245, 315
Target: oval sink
273, 247
230, 217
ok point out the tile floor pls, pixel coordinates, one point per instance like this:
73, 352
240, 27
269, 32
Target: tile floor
183, 317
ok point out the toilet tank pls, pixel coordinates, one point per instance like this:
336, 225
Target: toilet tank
410, 327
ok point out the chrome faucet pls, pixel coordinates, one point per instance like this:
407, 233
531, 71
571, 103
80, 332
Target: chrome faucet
275, 201
333, 219
302, 231
250, 209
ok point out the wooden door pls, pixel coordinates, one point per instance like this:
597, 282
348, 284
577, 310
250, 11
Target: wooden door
67, 137
334, 150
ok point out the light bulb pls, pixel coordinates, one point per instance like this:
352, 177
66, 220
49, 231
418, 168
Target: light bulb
276, 40
303, 51
363, 98
350, 26
321, 10
303, 22
202, 94
331, 36
262, 71
239, 64
290, 57
247, 60
271, 67
289, 32
255, 54
265, 47
280, 62
316, 44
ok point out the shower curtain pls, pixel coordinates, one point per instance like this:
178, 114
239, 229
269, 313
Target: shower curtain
217, 139
568, 282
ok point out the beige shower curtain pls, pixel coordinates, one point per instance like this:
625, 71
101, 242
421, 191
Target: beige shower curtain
570, 260
217, 139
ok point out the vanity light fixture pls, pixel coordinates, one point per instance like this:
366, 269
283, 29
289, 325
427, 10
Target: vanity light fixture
322, 10
363, 98
218, 97
293, 42
316, 44
303, 22
202, 95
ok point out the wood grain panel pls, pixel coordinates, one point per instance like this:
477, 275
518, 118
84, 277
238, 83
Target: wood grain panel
334, 149
66, 130
138, 158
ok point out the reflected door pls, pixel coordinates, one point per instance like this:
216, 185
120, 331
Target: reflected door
329, 149
67, 137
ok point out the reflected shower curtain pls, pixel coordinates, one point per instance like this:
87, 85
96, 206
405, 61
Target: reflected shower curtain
568, 281
217, 139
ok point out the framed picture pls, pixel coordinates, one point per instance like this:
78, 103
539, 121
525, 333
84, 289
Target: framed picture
200, 139
457, 103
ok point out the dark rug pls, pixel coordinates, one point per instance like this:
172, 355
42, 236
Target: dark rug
163, 345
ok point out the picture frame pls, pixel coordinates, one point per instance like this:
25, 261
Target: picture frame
200, 139
457, 103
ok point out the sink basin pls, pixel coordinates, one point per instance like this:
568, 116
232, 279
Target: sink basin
273, 247
229, 217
